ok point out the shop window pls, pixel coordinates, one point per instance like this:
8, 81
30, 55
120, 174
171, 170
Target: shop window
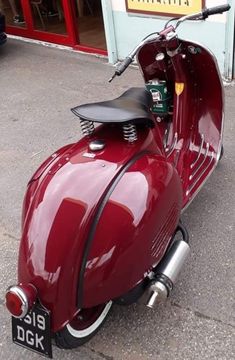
12, 9
48, 15
90, 23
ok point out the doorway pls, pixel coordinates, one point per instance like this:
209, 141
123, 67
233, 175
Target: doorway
90, 24
75, 23
13, 12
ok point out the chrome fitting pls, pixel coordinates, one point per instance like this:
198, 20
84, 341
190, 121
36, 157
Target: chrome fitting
174, 260
167, 272
87, 127
97, 145
158, 294
130, 132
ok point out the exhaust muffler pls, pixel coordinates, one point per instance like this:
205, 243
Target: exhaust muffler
167, 272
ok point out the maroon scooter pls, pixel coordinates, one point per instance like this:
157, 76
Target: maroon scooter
100, 216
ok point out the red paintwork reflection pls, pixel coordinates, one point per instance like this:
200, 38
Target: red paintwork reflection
127, 242
198, 110
144, 207
59, 208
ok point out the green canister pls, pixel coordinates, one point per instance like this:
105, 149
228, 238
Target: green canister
160, 96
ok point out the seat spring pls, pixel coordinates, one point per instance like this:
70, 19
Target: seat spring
87, 127
130, 133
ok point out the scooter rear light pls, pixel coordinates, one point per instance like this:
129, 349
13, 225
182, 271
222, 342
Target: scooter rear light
20, 299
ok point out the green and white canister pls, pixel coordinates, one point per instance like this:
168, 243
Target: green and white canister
160, 96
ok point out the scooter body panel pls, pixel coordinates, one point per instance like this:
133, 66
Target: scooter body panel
134, 229
100, 217
60, 207
95, 223
194, 133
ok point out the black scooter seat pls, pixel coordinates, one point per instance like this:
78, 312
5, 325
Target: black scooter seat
133, 105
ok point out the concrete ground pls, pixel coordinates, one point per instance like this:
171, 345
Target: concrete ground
38, 87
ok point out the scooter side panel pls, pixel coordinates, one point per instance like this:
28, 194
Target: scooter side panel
194, 137
134, 230
59, 209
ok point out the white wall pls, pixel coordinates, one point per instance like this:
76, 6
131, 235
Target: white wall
130, 28
119, 5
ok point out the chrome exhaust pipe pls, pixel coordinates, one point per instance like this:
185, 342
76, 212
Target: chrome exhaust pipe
167, 272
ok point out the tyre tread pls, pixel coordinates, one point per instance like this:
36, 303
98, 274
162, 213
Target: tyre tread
65, 340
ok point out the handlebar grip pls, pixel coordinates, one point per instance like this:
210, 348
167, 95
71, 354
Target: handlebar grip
123, 66
215, 10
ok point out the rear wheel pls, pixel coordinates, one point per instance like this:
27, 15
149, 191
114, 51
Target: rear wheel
83, 327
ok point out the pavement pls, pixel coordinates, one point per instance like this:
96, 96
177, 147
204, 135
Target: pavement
39, 85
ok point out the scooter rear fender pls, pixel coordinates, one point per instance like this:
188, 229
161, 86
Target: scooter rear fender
60, 206
131, 230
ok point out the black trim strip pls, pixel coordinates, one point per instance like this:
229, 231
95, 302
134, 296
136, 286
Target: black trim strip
97, 217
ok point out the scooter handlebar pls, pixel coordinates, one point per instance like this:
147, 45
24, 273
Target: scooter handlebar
198, 16
215, 10
122, 67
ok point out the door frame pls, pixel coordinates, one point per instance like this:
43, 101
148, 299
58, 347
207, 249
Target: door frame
72, 37
229, 64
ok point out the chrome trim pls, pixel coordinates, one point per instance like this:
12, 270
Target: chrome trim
198, 189
199, 153
97, 145
160, 56
223, 104
200, 175
177, 157
130, 132
174, 259
175, 52
87, 127
20, 293
159, 293
168, 272
171, 149
199, 167
165, 138
222, 89
192, 50
195, 16
146, 40
222, 125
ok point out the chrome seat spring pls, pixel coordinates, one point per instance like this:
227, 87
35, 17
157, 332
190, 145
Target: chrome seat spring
130, 132
87, 127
